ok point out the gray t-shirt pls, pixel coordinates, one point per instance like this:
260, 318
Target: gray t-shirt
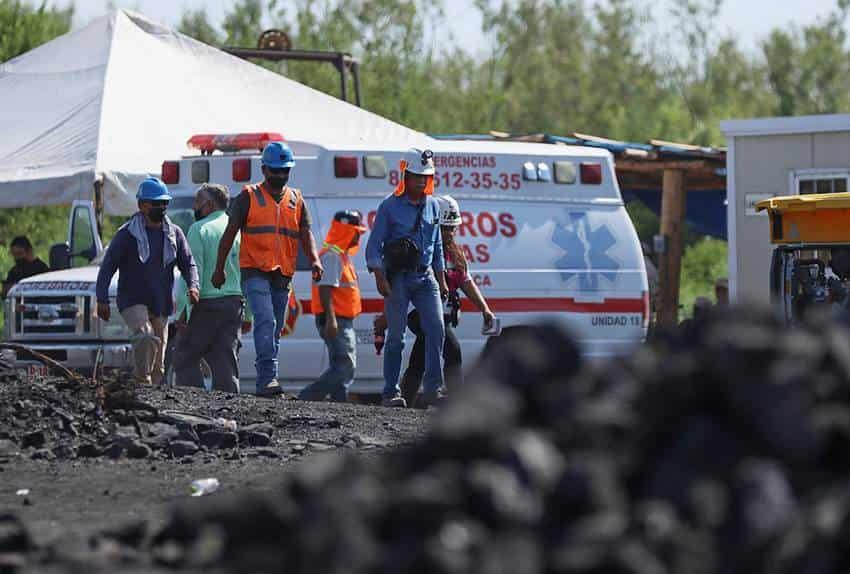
333, 269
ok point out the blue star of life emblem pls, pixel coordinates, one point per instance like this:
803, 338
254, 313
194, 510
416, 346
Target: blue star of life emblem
585, 251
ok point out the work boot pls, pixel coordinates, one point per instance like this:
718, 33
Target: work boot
271, 391
433, 399
395, 401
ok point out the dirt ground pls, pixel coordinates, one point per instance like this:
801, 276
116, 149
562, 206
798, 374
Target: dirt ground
71, 497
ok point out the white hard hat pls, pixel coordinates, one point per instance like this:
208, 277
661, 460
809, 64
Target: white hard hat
449, 211
420, 162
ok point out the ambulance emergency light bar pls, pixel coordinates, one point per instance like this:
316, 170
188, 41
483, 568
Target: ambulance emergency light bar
208, 143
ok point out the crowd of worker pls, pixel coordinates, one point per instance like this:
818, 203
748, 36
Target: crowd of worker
238, 259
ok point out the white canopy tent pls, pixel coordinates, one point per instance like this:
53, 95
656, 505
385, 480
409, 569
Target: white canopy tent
111, 101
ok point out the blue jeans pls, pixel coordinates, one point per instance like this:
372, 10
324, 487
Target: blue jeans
269, 308
342, 358
422, 290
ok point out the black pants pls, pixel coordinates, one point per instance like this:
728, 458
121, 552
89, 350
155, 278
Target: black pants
212, 335
452, 360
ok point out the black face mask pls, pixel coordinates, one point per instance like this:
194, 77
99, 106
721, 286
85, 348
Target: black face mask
157, 214
278, 181
20, 261
199, 215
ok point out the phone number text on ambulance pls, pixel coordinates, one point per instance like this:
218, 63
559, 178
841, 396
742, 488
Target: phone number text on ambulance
472, 180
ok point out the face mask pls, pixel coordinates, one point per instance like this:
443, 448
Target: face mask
199, 215
20, 261
157, 214
278, 181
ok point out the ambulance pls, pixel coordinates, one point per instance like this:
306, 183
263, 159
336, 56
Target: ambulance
544, 229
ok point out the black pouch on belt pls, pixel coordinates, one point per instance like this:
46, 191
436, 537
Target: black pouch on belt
401, 255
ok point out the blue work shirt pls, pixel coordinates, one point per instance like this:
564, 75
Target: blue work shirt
149, 283
396, 219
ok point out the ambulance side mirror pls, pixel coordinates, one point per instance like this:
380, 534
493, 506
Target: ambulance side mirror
60, 256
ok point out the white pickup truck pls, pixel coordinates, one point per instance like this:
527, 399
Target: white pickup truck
54, 313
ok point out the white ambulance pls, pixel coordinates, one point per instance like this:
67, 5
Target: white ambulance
544, 229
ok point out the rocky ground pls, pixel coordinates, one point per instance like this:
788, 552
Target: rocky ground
69, 469
719, 448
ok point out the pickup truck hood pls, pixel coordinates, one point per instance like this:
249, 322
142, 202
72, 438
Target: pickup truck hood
76, 275
87, 274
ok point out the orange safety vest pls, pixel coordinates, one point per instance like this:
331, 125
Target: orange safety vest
345, 297
271, 234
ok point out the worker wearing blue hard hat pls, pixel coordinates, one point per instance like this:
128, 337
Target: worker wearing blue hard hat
278, 155
153, 189
144, 252
274, 221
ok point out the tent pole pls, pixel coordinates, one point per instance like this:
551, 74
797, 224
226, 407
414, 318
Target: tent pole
98, 205
340, 65
355, 74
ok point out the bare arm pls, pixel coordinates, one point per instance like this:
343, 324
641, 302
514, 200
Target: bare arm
331, 326
325, 296
308, 244
225, 244
471, 290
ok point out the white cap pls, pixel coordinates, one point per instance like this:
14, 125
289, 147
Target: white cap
449, 211
420, 162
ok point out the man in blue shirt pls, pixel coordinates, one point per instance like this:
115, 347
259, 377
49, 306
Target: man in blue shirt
405, 252
144, 251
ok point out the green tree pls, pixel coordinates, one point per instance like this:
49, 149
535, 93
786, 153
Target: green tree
702, 264
24, 27
195, 23
809, 69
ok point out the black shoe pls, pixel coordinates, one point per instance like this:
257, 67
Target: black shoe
271, 391
433, 399
395, 401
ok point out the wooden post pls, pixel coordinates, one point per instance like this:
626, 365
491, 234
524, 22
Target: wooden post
672, 223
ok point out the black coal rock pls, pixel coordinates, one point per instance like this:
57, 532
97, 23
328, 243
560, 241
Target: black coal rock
181, 448
35, 439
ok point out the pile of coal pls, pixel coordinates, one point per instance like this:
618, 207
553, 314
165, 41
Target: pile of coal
725, 451
54, 419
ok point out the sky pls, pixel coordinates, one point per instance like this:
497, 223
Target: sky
750, 20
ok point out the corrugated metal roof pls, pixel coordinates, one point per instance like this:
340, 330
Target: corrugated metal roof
654, 150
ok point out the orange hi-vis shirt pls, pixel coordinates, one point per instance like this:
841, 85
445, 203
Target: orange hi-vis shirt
345, 292
272, 231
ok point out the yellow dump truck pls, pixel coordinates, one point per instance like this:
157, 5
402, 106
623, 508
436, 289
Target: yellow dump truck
810, 266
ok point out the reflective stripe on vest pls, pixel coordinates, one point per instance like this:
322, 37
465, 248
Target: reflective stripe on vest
346, 296
270, 229
271, 232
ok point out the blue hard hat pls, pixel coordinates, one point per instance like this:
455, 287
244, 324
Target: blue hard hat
277, 155
152, 189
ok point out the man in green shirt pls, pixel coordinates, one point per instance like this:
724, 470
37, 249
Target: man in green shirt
212, 333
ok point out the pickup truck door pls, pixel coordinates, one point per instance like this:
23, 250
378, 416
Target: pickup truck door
83, 237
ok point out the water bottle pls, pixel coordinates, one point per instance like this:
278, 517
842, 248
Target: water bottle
204, 486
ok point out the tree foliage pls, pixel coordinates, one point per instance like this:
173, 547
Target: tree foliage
23, 27
557, 66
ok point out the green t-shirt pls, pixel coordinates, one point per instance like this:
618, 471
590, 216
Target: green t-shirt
204, 237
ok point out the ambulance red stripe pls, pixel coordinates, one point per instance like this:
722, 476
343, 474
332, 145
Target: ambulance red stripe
526, 305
